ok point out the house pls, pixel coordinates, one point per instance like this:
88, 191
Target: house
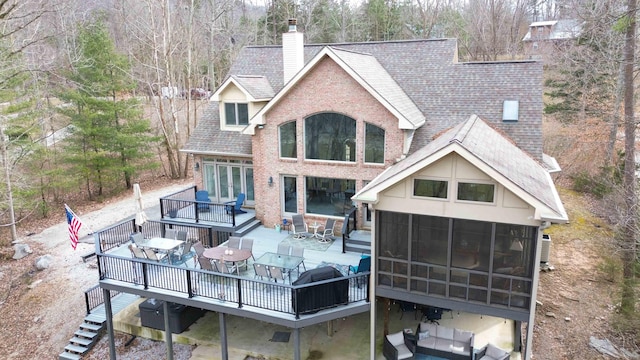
545, 38
442, 160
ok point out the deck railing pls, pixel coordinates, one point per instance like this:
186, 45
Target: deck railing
183, 205
241, 291
348, 225
94, 297
119, 234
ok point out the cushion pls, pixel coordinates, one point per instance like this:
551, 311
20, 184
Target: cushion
460, 347
431, 328
495, 352
443, 344
462, 335
429, 342
445, 333
423, 335
403, 352
396, 339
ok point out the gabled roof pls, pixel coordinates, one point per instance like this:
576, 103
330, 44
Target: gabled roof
491, 152
255, 88
210, 140
427, 71
368, 72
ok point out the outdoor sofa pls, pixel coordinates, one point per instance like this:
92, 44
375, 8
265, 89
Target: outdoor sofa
492, 352
440, 341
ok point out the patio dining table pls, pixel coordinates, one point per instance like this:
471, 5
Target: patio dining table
221, 253
286, 262
160, 244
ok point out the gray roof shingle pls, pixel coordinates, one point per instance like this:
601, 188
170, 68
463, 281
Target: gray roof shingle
445, 91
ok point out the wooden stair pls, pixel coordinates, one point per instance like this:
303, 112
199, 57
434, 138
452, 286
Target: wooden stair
89, 331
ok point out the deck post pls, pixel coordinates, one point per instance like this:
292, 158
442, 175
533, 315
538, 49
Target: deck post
167, 330
109, 316
296, 344
223, 336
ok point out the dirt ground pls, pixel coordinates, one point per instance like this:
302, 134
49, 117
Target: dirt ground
40, 310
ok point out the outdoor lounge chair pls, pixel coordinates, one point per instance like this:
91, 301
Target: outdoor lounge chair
492, 352
235, 205
299, 227
397, 346
202, 199
363, 266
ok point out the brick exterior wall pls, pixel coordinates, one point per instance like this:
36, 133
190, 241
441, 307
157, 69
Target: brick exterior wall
326, 88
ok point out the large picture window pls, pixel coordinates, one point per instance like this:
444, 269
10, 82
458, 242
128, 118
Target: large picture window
330, 136
236, 113
288, 140
327, 196
374, 144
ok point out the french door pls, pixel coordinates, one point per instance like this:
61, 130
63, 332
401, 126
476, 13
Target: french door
225, 180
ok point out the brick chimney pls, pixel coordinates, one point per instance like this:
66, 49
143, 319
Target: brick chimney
292, 51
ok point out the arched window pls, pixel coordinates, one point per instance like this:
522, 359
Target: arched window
330, 136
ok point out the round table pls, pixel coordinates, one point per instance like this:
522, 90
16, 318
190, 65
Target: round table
218, 253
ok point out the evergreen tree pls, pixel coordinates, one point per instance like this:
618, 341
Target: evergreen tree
110, 139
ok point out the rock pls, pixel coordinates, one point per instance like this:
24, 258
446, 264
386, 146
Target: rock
21, 250
604, 346
567, 319
550, 314
44, 262
34, 284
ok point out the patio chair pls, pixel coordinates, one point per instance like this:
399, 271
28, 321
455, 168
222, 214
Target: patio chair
283, 249
299, 227
233, 242
406, 306
205, 263
325, 232
247, 244
298, 251
136, 238
235, 205
136, 252
397, 346
363, 266
276, 274
152, 255
198, 248
183, 254
181, 235
202, 200
261, 271
224, 268
170, 234
492, 352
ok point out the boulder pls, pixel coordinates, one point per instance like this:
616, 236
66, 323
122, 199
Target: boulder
21, 250
44, 262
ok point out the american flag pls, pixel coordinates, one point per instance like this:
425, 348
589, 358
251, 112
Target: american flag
74, 226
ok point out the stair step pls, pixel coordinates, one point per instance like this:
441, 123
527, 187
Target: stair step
76, 349
90, 326
69, 356
82, 341
86, 334
94, 318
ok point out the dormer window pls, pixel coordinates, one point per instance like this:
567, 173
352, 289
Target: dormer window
236, 114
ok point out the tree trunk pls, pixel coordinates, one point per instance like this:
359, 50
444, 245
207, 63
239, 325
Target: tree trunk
630, 227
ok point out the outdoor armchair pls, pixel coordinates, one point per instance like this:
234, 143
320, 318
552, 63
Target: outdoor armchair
299, 227
235, 205
203, 200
